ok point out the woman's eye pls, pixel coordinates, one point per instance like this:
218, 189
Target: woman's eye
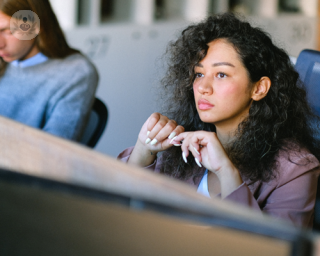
199, 75
221, 75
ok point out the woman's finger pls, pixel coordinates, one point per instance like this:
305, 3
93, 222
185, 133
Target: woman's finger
195, 152
195, 147
179, 138
162, 130
153, 120
191, 142
187, 147
176, 131
154, 124
183, 138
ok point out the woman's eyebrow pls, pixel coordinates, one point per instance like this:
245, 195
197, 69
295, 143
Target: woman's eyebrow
222, 64
217, 64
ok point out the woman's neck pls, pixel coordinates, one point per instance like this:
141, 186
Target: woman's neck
226, 131
225, 135
32, 52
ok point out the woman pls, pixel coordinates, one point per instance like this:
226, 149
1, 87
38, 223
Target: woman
240, 117
44, 83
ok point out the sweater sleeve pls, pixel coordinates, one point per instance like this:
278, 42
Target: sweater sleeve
292, 197
69, 108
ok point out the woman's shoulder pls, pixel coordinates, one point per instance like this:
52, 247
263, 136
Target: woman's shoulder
76, 61
72, 70
292, 151
294, 160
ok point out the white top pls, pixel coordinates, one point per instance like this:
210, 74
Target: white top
203, 186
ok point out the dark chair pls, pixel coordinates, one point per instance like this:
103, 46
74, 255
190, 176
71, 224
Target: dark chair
96, 124
308, 67
316, 219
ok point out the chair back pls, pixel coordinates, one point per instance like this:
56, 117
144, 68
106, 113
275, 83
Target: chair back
96, 124
316, 220
308, 67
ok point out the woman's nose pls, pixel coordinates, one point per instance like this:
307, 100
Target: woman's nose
205, 86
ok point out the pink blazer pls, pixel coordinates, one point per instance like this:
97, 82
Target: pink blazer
291, 196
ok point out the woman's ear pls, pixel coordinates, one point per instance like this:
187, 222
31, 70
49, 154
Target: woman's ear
261, 88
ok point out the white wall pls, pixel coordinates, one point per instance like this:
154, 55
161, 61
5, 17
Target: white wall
127, 60
66, 11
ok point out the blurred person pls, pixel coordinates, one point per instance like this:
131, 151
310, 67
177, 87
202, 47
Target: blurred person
44, 83
237, 125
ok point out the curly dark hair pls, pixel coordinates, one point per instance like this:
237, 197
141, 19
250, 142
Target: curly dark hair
282, 116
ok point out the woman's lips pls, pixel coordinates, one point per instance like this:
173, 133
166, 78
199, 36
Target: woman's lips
4, 55
204, 104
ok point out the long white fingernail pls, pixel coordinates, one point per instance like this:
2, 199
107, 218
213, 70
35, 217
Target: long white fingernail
148, 140
148, 132
197, 161
177, 145
154, 141
172, 135
184, 157
173, 139
196, 150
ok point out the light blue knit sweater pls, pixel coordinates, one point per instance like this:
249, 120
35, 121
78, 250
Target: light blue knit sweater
55, 96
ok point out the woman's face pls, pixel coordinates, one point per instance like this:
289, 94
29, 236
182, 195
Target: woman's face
12, 48
222, 88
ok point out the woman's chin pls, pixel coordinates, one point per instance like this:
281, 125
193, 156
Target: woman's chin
207, 119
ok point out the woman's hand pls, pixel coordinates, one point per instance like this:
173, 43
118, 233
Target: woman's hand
205, 147
155, 136
209, 152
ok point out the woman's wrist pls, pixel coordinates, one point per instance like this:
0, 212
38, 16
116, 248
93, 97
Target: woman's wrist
230, 179
141, 155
